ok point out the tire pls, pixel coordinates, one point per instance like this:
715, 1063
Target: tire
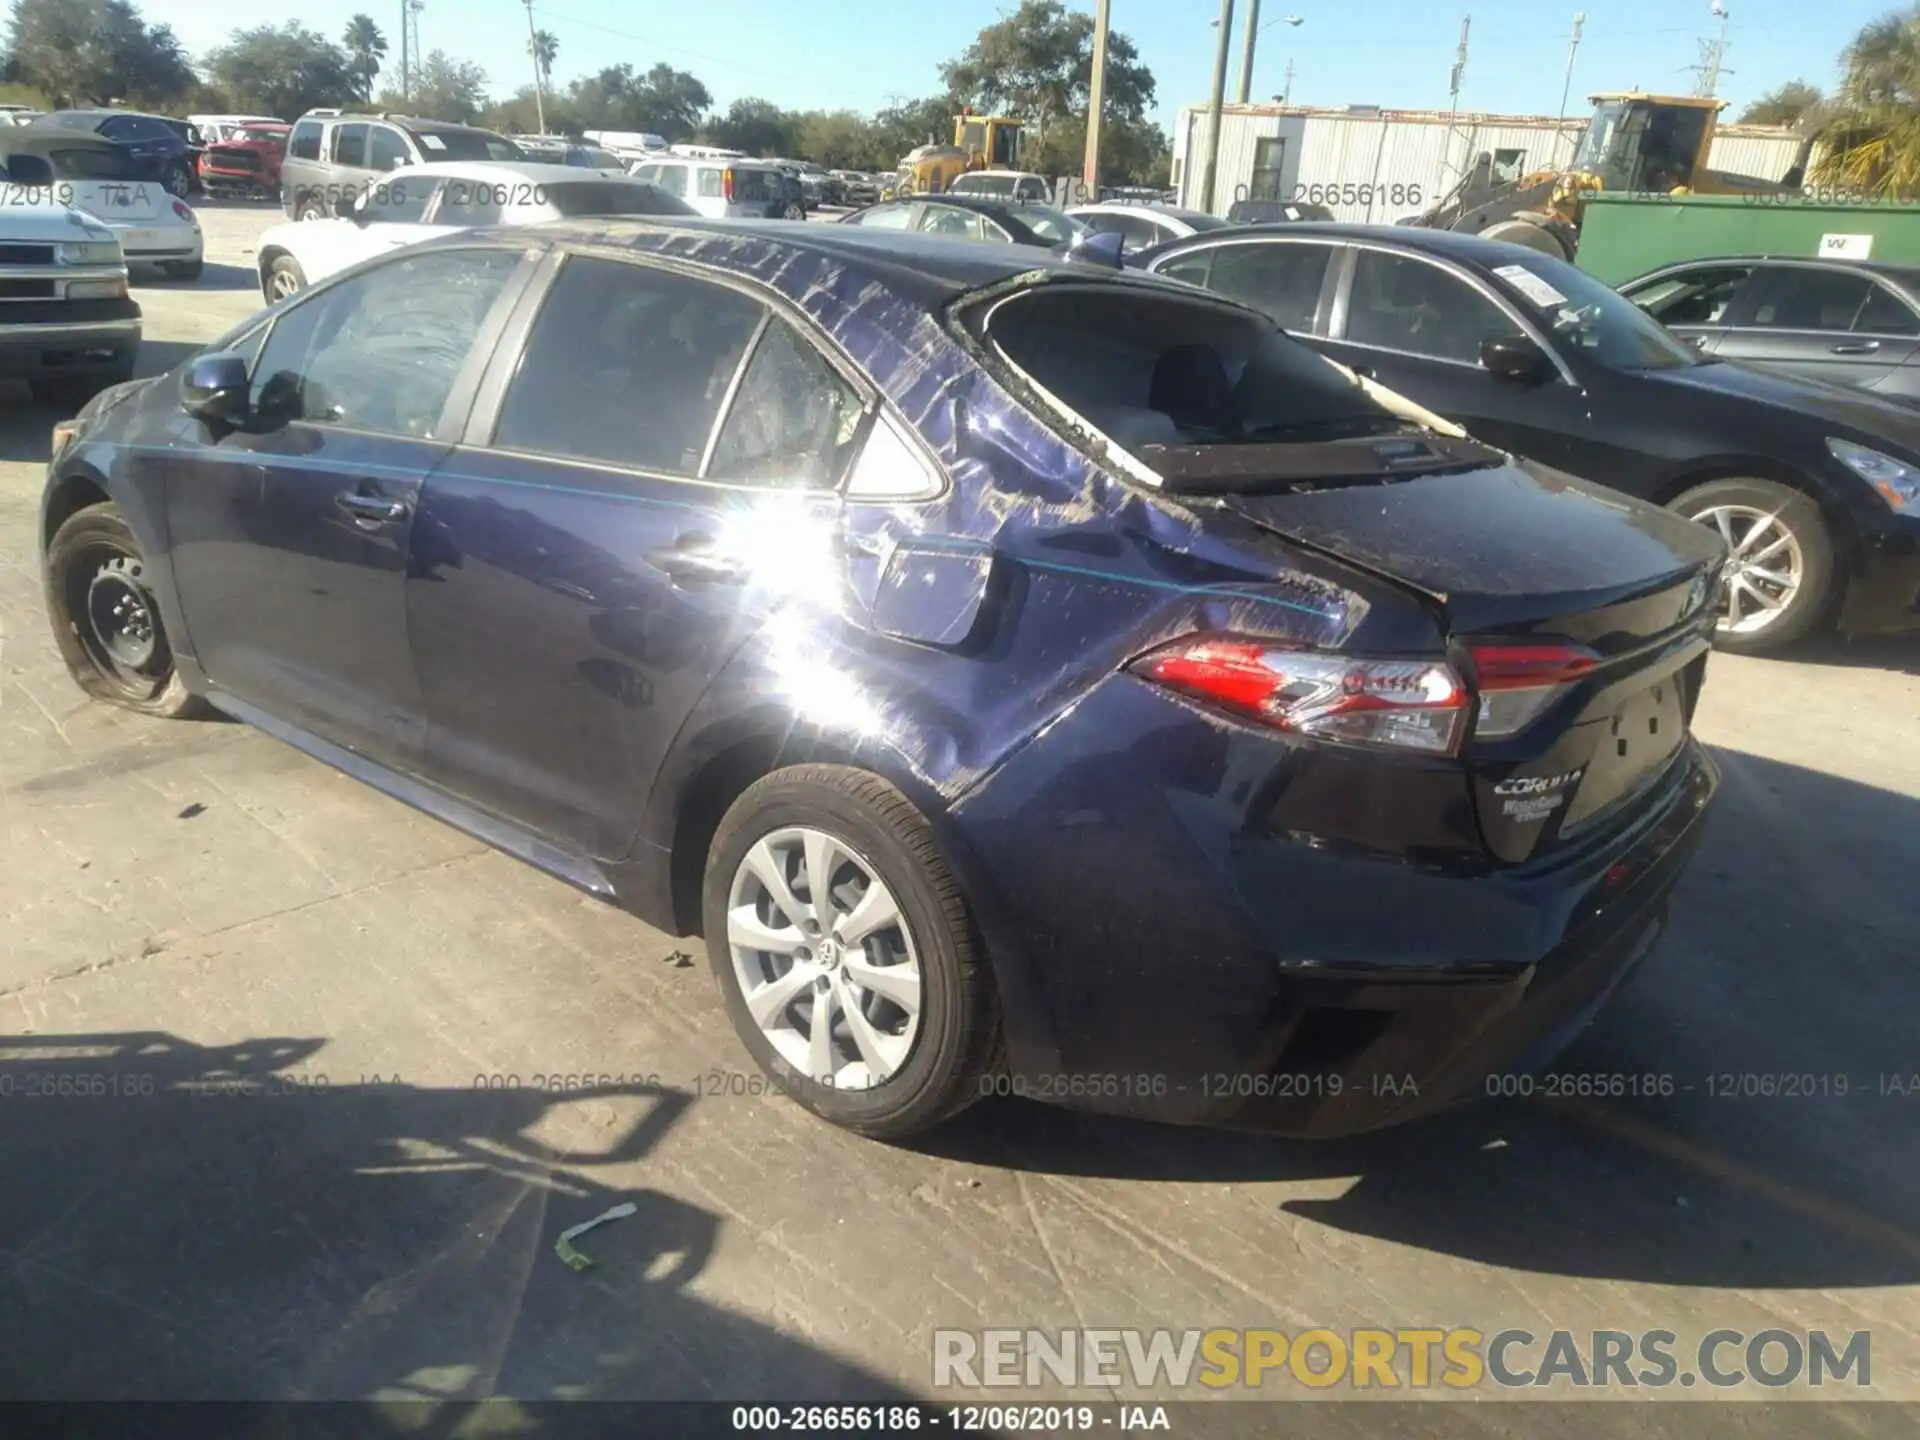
1797, 536
284, 277
179, 181
932, 1059
1528, 234
80, 593
184, 269
794, 211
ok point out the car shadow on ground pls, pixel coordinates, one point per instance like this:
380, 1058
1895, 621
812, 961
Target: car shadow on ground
1784, 979
214, 276
180, 1221
1898, 653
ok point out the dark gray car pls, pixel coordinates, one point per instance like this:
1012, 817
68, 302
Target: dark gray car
1848, 322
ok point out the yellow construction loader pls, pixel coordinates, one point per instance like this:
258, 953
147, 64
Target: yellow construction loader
980, 142
1636, 143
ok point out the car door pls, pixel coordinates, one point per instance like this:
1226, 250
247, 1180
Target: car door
289, 534
1799, 319
614, 526
1889, 324
1416, 325
352, 170
1694, 301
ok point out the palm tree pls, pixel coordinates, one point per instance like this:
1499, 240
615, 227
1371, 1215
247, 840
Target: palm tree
544, 47
1873, 129
365, 47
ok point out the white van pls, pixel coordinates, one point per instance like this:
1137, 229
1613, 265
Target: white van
726, 189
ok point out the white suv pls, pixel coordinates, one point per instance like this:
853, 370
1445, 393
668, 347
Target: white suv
727, 189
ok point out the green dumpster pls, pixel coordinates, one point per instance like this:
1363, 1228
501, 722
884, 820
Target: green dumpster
1623, 236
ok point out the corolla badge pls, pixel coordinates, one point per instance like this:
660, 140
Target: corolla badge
1534, 797
1538, 784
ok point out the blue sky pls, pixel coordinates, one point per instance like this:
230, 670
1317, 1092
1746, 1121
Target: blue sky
861, 53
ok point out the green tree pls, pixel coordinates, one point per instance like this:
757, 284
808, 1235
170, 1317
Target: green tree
758, 127
366, 47
1037, 64
664, 101
545, 49
90, 52
1872, 130
905, 126
1787, 104
282, 70
836, 139
444, 88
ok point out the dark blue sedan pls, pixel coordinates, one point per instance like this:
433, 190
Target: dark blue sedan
1030, 678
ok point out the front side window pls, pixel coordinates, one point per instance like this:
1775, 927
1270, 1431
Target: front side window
381, 351
304, 144
1693, 297
389, 150
1590, 317
628, 366
792, 419
1400, 303
1283, 279
1053, 227
1164, 370
350, 146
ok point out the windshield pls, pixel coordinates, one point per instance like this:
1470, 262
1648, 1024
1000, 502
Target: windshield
1149, 369
1591, 153
983, 185
1056, 227
613, 197
1588, 316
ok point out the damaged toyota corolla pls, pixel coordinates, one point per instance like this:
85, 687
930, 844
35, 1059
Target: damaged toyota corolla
1030, 679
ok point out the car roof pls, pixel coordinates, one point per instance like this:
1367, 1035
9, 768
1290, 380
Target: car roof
928, 270
1128, 207
998, 206
1892, 270
1469, 249
539, 171
38, 139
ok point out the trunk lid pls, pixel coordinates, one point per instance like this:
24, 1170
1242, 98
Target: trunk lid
118, 202
1524, 564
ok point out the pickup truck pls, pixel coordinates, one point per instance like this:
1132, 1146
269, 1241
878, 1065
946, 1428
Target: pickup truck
67, 325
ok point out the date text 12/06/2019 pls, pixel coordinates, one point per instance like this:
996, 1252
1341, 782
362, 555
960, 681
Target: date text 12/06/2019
915, 1418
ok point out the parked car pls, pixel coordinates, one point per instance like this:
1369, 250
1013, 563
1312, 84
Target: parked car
333, 157
151, 225
941, 656
1003, 185
67, 325
1848, 322
1142, 227
158, 142
973, 217
217, 129
824, 183
799, 188
246, 161
428, 201
726, 189
1817, 487
858, 187
593, 157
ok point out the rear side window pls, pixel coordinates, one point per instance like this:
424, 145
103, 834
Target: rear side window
627, 366
1411, 306
1808, 299
305, 141
793, 419
350, 145
92, 165
710, 187
1885, 314
1162, 370
1282, 279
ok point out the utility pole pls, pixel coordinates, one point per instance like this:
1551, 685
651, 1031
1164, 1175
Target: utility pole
1246, 59
1222, 55
406, 24
1454, 79
1286, 95
1096, 102
533, 48
1573, 49
410, 56
1712, 52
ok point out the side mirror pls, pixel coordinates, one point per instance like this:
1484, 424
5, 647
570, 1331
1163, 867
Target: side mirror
1099, 247
1515, 357
214, 389
347, 207
32, 172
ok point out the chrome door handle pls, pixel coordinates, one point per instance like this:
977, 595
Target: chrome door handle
1856, 347
371, 509
693, 558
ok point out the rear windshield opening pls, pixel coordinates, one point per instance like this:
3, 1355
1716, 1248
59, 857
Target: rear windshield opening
93, 164
752, 185
1150, 370
467, 145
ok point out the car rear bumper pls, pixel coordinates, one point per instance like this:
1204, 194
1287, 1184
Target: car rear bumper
1168, 958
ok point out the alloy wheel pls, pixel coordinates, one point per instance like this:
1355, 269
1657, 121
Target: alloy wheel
281, 284
1767, 567
825, 958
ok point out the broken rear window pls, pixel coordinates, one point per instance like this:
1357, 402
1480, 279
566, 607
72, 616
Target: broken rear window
1153, 370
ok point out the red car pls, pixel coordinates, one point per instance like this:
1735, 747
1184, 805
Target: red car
247, 163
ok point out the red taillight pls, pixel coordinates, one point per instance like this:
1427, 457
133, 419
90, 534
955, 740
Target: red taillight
1517, 682
726, 185
1417, 705
180, 209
